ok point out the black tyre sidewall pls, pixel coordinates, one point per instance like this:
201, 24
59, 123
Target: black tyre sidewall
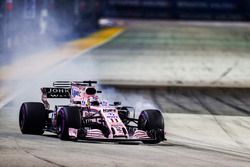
32, 118
152, 121
63, 125
23, 120
69, 117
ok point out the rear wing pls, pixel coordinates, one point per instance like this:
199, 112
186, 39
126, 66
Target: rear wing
62, 89
63, 84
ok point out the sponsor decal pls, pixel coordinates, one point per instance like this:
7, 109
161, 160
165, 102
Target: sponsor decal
57, 92
108, 110
75, 92
111, 115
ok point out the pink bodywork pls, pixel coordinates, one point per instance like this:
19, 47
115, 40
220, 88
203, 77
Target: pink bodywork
117, 129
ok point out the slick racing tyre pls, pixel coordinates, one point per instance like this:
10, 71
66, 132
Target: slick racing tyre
69, 117
32, 118
152, 122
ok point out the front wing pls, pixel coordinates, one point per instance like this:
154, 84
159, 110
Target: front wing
97, 135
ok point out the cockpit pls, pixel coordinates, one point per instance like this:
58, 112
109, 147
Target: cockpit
86, 96
94, 101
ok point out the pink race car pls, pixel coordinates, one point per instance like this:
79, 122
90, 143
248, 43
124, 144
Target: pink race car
89, 118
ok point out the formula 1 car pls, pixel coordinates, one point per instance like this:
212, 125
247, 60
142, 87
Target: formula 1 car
89, 118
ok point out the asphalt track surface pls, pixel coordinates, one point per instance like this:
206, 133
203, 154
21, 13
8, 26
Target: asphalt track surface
205, 126
196, 136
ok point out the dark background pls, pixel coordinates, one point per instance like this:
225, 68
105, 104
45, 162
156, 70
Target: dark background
68, 19
180, 9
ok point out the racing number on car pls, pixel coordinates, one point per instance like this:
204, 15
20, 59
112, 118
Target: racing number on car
118, 128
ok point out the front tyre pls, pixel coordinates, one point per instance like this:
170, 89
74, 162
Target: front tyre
69, 117
152, 122
32, 118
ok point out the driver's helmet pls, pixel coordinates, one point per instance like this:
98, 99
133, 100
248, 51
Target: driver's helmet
94, 101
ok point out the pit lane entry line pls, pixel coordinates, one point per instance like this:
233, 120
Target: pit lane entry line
29, 67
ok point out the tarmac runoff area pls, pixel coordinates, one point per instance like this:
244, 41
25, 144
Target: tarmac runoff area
205, 126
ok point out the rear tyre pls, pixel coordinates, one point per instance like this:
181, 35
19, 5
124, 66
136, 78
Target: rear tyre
32, 118
152, 122
69, 117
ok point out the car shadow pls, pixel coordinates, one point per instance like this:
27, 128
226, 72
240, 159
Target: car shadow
108, 142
